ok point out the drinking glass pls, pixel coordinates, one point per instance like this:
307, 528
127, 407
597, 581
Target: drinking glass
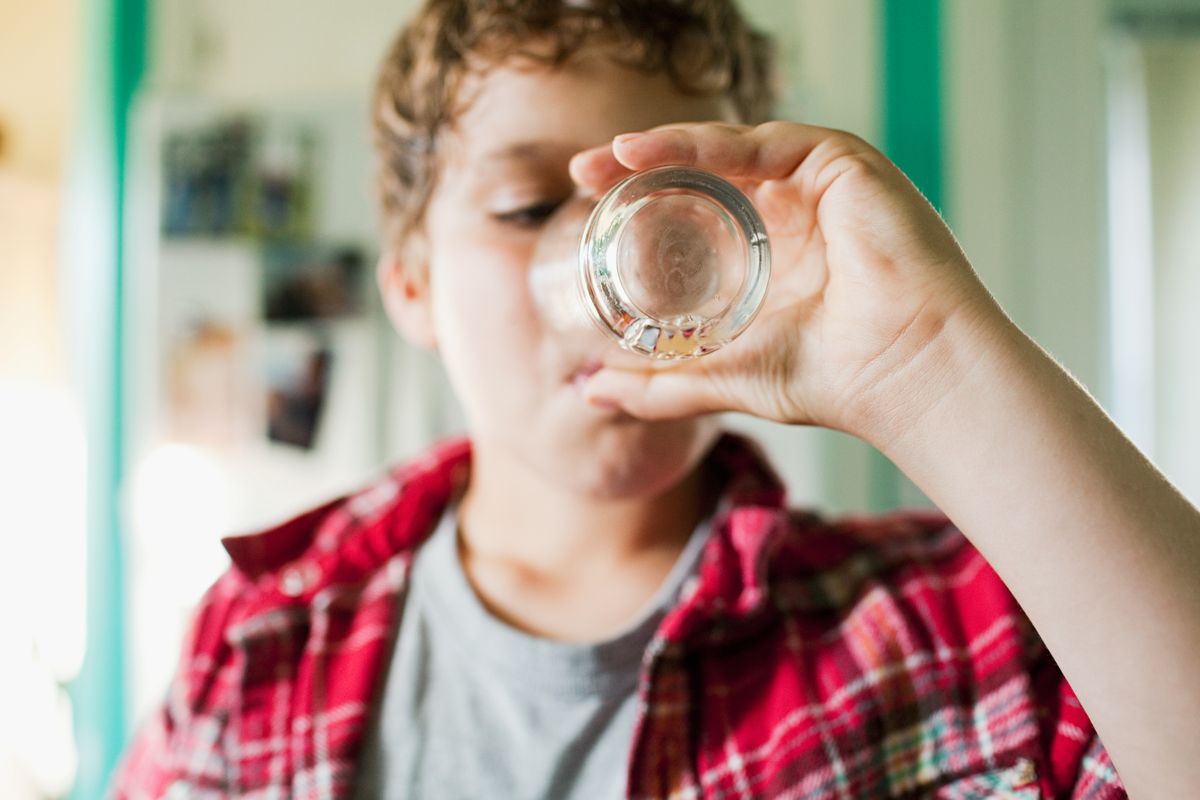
671, 263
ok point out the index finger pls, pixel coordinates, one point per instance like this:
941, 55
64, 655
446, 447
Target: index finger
600, 167
597, 168
771, 151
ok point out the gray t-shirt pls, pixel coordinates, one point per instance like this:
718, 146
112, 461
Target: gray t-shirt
475, 708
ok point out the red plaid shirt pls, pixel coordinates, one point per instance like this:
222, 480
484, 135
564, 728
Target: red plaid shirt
866, 657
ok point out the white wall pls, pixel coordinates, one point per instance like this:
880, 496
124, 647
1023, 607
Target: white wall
270, 50
42, 450
1172, 75
1027, 196
1025, 170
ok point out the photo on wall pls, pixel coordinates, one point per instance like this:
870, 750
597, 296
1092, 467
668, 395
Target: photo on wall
311, 282
206, 385
238, 175
298, 372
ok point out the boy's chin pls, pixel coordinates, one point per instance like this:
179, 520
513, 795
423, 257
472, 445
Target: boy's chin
627, 459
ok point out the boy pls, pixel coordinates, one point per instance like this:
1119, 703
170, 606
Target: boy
600, 594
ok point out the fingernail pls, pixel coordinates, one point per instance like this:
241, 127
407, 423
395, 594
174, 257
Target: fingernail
604, 402
626, 138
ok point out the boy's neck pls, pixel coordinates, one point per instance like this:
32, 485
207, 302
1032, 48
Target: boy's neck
566, 565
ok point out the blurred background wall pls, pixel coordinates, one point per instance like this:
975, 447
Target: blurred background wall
41, 417
187, 241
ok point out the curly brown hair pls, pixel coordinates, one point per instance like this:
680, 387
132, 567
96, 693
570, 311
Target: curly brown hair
705, 46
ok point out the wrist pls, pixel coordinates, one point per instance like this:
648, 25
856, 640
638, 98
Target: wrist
972, 347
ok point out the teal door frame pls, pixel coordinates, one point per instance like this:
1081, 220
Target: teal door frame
114, 48
910, 44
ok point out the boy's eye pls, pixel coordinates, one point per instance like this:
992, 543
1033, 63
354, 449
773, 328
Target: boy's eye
529, 216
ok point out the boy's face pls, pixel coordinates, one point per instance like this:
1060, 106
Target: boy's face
502, 169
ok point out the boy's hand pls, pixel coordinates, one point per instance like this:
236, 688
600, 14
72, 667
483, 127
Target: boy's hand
867, 283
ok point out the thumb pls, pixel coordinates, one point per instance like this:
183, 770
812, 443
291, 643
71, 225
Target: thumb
655, 394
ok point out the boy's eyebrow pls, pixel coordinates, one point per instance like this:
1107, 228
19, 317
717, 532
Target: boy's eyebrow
533, 150
538, 156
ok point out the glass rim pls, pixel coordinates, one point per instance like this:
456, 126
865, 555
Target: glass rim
600, 284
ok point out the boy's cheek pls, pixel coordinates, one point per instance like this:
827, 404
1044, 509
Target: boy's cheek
484, 301
494, 266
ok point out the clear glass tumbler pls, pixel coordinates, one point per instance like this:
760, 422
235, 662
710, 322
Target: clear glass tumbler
671, 263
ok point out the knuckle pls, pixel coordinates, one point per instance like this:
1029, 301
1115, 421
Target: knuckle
730, 128
777, 127
854, 142
863, 163
862, 153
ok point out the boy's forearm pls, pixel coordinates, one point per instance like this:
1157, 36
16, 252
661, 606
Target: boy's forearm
1098, 547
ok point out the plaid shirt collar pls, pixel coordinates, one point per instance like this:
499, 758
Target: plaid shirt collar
296, 562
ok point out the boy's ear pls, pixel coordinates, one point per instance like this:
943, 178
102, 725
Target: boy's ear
404, 288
